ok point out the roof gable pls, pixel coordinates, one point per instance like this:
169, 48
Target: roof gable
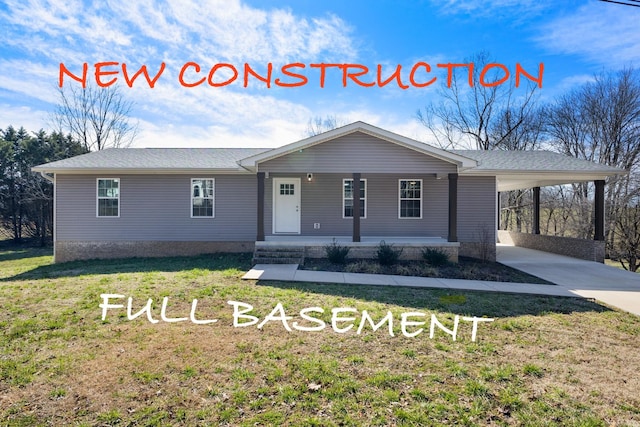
461, 161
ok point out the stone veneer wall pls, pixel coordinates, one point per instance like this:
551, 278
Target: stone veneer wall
591, 250
77, 250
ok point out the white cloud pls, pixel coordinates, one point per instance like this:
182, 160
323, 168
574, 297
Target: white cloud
605, 34
43, 33
32, 120
514, 9
270, 133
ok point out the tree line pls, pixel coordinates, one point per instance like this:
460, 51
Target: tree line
26, 198
88, 119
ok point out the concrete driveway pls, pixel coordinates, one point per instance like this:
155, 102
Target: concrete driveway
613, 286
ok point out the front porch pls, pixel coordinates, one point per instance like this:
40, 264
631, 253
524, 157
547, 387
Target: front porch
300, 247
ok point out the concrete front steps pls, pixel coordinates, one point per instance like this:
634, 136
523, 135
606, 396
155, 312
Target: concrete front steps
278, 255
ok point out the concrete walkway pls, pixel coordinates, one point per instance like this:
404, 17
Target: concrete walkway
574, 277
588, 279
290, 273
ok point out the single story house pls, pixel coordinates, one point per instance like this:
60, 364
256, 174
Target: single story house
358, 183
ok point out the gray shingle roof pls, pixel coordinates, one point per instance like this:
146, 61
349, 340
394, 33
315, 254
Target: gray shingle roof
156, 158
227, 158
539, 160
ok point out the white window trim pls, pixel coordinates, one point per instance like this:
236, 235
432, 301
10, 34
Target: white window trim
106, 198
213, 198
400, 199
366, 190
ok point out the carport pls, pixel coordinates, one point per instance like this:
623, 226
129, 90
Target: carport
522, 170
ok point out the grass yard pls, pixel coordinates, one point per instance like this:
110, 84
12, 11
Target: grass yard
543, 361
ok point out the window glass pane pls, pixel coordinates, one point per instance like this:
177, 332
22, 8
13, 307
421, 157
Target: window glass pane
203, 208
348, 208
107, 188
108, 207
348, 189
287, 189
410, 208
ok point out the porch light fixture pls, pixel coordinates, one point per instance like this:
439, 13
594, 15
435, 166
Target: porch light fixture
309, 177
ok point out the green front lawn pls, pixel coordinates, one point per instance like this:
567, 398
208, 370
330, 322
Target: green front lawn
543, 360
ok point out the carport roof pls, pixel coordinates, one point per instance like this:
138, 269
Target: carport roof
526, 169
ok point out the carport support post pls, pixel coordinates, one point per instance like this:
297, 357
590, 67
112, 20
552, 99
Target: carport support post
536, 210
260, 236
498, 206
598, 216
356, 207
453, 207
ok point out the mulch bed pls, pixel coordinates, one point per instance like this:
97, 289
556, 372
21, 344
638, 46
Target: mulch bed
466, 268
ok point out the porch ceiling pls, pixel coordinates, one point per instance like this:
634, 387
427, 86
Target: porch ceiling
524, 180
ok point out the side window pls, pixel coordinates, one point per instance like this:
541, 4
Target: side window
202, 197
108, 203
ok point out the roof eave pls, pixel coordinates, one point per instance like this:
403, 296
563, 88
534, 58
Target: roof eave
596, 174
139, 171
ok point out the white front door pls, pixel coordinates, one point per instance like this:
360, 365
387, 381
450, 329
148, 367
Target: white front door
286, 205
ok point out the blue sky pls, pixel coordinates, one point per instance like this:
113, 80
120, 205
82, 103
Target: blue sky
574, 40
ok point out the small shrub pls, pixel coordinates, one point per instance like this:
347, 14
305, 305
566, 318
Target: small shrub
387, 255
337, 254
485, 244
435, 257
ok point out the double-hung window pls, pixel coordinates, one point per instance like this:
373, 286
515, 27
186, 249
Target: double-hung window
347, 198
202, 194
108, 204
410, 199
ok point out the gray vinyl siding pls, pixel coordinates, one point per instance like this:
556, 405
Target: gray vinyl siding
156, 208
357, 152
476, 208
322, 203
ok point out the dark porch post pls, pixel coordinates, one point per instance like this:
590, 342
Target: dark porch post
536, 210
356, 207
599, 211
498, 211
453, 207
260, 236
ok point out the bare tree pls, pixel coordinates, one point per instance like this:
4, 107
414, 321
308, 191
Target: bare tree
318, 125
484, 116
97, 117
499, 117
627, 237
600, 122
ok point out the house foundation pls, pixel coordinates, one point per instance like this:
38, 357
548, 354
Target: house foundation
80, 250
